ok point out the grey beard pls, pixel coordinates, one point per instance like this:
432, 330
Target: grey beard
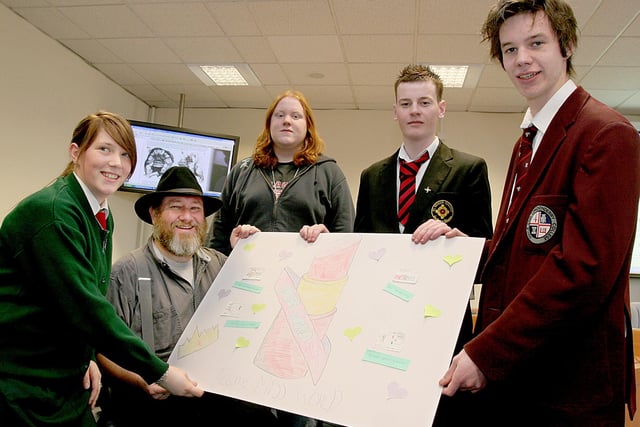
184, 248
180, 247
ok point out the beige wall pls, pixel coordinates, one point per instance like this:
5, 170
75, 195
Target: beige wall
46, 90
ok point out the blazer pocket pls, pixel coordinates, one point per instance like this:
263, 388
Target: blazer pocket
544, 218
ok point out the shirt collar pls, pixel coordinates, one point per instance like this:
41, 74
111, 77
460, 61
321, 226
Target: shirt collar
431, 149
548, 112
93, 201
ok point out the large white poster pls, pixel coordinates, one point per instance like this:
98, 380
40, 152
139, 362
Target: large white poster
355, 329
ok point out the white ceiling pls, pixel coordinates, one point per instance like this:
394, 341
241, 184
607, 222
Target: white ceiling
343, 54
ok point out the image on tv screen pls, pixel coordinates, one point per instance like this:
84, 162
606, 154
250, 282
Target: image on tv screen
210, 156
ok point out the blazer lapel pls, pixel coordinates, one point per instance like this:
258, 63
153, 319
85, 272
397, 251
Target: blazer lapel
550, 144
437, 171
387, 197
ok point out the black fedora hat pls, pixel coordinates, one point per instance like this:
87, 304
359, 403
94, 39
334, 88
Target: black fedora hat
176, 181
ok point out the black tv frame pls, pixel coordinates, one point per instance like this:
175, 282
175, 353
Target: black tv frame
162, 146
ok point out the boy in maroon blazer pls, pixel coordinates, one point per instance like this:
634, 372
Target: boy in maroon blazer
552, 344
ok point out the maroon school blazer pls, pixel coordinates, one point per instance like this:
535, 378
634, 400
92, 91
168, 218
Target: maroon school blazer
554, 316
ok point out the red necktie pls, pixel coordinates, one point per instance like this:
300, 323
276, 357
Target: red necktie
407, 193
524, 160
101, 216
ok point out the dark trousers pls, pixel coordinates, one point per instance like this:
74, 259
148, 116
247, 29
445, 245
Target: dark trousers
128, 407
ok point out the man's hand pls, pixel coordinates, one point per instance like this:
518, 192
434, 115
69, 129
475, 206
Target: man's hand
241, 232
178, 383
462, 375
432, 229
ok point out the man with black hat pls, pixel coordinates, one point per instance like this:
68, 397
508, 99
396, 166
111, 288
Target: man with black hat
156, 290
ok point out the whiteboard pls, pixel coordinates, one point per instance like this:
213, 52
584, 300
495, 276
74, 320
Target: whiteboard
354, 329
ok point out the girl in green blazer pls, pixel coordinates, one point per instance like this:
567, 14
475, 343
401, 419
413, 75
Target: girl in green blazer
55, 262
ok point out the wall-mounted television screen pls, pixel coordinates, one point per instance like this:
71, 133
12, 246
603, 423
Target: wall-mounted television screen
209, 155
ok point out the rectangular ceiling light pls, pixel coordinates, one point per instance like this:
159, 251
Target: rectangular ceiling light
225, 75
451, 75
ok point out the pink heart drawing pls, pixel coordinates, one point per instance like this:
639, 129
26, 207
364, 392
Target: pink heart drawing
396, 392
377, 254
222, 293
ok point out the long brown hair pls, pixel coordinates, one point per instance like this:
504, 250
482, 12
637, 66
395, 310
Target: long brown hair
116, 127
312, 146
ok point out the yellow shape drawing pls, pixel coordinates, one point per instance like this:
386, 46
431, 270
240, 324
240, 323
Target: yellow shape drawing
431, 311
198, 341
249, 246
351, 333
452, 259
242, 342
258, 308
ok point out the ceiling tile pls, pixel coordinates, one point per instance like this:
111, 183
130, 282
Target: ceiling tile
451, 49
328, 97
92, 51
497, 99
452, 16
178, 19
380, 96
122, 74
590, 49
494, 76
375, 74
633, 30
631, 106
254, 49
25, 3
306, 48
584, 10
244, 96
195, 96
270, 74
375, 16
614, 78
166, 74
612, 97
204, 50
234, 18
140, 51
316, 74
378, 48
276, 90
457, 99
107, 21
293, 17
53, 23
618, 53
610, 18
150, 94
